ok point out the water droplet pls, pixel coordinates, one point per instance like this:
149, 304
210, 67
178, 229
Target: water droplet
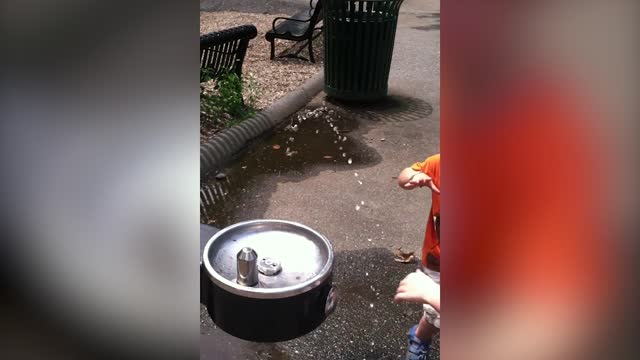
361, 202
371, 305
349, 161
357, 207
355, 174
367, 274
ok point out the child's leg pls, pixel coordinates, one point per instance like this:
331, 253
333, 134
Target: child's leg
420, 340
429, 325
425, 330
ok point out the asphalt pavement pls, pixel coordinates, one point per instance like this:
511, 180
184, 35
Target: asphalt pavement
356, 204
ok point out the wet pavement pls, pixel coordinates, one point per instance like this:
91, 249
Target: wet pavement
358, 206
313, 140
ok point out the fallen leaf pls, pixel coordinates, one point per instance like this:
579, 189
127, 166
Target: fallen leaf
404, 257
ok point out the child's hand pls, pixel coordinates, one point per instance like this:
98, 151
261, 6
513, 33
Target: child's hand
417, 287
420, 180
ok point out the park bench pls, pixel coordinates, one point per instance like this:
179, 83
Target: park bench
224, 51
299, 27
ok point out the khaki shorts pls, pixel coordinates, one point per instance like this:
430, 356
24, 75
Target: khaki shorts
431, 314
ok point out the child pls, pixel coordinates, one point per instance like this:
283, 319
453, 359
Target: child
427, 174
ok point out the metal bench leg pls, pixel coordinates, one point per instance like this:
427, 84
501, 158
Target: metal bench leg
273, 49
311, 51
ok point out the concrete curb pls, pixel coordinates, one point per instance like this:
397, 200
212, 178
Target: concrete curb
225, 144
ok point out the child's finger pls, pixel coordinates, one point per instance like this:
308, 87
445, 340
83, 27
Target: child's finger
399, 298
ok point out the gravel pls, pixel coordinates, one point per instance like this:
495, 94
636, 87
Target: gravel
272, 78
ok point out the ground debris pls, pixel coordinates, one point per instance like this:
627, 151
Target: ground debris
404, 257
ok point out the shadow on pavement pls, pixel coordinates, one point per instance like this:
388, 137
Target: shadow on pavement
427, 27
429, 16
259, 7
393, 108
435, 26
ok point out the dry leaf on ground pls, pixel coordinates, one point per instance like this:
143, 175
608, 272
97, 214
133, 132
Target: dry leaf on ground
404, 257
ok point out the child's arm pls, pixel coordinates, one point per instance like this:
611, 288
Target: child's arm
410, 179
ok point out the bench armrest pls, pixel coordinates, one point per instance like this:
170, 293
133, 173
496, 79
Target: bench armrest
273, 25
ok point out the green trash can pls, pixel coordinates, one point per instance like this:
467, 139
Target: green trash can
358, 41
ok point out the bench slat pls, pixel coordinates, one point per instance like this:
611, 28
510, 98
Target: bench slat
225, 50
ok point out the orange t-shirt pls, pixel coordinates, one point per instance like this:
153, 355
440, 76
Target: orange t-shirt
431, 246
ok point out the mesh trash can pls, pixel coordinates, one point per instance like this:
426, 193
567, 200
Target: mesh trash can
358, 40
